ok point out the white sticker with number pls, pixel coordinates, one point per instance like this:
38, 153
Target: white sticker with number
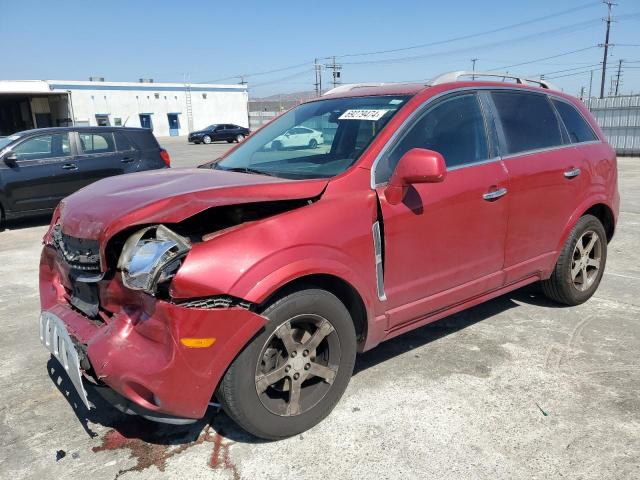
373, 115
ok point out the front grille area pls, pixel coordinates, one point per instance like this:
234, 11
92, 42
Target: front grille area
79, 253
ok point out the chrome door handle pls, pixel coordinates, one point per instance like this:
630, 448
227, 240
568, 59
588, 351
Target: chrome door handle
574, 172
70, 166
495, 194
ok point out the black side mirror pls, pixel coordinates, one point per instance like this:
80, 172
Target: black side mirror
10, 159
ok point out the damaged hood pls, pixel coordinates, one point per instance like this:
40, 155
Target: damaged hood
168, 196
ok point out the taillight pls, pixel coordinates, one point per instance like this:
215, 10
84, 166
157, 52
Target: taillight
165, 157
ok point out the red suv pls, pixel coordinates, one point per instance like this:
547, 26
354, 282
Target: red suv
255, 279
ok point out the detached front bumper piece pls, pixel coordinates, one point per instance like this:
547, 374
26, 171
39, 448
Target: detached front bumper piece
165, 358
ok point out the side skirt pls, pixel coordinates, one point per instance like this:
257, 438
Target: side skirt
433, 316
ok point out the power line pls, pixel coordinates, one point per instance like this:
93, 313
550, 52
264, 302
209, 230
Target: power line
562, 30
569, 69
474, 35
290, 67
537, 60
570, 74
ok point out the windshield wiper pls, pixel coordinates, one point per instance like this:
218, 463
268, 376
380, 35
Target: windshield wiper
246, 170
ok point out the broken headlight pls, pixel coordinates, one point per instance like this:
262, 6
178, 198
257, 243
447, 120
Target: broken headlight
151, 256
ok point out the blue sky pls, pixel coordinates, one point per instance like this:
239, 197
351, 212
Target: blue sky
212, 41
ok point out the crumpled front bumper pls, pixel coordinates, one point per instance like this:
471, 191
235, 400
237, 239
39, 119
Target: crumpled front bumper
138, 351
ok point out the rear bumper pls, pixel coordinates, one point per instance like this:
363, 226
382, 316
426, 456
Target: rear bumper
138, 352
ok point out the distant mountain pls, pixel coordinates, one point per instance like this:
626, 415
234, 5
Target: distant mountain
286, 97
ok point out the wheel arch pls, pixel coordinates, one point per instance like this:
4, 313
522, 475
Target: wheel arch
599, 207
339, 287
604, 213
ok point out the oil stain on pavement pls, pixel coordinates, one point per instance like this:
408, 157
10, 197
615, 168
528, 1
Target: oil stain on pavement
137, 436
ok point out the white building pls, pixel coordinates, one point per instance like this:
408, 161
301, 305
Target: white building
167, 108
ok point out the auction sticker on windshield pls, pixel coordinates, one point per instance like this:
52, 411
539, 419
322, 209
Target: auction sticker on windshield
374, 115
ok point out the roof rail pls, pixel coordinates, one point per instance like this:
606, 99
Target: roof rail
454, 76
350, 86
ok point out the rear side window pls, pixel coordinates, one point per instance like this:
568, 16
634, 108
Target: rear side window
144, 139
528, 121
97, 142
577, 127
453, 127
122, 142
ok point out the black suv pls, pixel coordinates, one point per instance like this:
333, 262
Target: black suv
39, 167
221, 131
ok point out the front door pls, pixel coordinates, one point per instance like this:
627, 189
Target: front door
45, 171
444, 243
174, 124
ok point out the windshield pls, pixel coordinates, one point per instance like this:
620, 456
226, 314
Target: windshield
315, 140
4, 141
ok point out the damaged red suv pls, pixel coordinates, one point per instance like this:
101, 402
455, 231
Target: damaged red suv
255, 280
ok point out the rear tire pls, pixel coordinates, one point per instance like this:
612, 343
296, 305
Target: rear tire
313, 143
308, 347
580, 265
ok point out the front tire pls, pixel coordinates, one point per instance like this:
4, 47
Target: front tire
580, 265
206, 139
240, 138
294, 372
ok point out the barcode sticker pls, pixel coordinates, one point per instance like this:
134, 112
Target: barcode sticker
373, 115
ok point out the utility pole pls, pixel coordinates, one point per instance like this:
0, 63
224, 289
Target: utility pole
318, 84
582, 93
335, 68
590, 82
473, 67
609, 5
618, 77
242, 80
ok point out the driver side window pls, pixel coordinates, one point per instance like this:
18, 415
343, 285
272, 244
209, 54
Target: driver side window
453, 127
43, 146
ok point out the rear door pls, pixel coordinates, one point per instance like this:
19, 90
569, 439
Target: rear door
126, 152
147, 150
97, 155
545, 189
44, 173
444, 243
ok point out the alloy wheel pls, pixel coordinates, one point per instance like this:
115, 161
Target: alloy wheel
297, 365
587, 256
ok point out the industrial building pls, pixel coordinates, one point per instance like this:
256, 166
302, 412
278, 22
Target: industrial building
169, 109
